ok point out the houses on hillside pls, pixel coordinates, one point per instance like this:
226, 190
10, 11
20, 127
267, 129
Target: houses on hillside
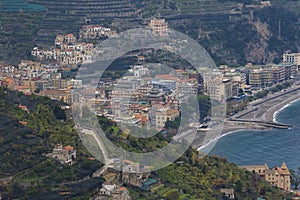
65, 155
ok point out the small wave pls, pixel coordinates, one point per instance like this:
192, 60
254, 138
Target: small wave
282, 108
207, 147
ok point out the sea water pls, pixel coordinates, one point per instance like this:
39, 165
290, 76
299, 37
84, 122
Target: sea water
257, 147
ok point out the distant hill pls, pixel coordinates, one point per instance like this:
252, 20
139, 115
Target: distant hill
68, 16
233, 31
12, 6
18, 32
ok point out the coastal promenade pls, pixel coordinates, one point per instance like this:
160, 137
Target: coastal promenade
264, 109
259, 114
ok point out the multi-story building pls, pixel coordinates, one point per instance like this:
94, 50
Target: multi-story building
69, 39
293, 58
59, 40
134, 174
95, 32
65, 155
267, 75
164, 115
127, 88
277, 176
159, 26
59, 94
187, 87
219, 88
261, 78
29, 65
155, 95
139, 71
67, 51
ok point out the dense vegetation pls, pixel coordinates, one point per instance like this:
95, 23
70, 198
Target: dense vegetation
274, 89
8, 6
191, 177
23, 147
35, 176
17, 35
232, 34
194, 178
23, 150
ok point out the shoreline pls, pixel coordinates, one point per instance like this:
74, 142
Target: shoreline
274, 108
271, 113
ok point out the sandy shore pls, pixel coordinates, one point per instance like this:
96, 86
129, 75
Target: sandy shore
262, 110
271, 112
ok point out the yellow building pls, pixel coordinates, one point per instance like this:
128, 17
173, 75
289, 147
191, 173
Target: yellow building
59, 94
159, 26
277, 176
31, 84
255, 78
29, 65
164, 115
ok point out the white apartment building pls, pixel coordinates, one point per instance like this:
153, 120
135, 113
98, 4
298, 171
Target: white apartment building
291, 58
219, 88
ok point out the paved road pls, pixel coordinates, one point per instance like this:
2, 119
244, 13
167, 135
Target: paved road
264, 109
107, 161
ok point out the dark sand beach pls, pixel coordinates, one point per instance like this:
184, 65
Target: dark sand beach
260, 110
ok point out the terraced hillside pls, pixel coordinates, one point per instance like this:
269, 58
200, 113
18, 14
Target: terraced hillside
17, 35
8, 6
205, 6
176, 8
233, 31
292, 5
69, 15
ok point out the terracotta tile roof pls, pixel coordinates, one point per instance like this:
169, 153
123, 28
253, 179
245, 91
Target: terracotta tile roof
123, 188
22, 87
172, 112
68, 148
166, 77
144, 119
53, 92
179, 70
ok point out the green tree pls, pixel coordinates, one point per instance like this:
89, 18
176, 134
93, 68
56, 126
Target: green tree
295, 178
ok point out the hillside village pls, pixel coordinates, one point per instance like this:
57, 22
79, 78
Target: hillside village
153, 100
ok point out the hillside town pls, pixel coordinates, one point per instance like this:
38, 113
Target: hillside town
152, 100
141, 98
